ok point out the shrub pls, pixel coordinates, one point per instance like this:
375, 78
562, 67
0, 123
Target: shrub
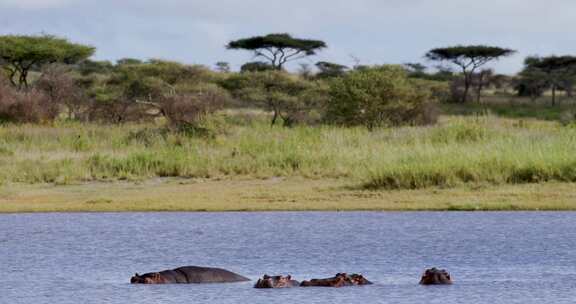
168, 71
379, 96
118, 112
256, 66
568, 118
61, 88
290, 98
189, 111
440, 90
29, 106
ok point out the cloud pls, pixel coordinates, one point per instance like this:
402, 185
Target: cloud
33, 4
375, 31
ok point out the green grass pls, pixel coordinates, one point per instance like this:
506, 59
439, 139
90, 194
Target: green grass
459, 150
517, 108
476, 162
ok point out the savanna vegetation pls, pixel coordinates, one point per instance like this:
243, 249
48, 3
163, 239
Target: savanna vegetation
79, 134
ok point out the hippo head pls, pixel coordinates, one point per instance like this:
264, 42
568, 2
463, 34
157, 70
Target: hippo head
148, 278
358, 279
340, 279
275, 282
137, 279
434, 276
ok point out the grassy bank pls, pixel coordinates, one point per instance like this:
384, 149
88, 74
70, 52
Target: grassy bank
462, 163
275, 194
469, 150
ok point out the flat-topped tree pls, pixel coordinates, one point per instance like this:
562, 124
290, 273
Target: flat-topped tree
278, 48
554, 71
19, 54
469, 59
330, 69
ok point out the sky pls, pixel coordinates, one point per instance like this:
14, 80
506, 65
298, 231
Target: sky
367, 31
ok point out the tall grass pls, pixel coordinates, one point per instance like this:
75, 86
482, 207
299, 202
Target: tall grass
481, 149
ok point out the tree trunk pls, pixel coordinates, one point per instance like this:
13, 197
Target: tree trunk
467, 80
23, 79
11, 76
553, 95
479, 87
275, 117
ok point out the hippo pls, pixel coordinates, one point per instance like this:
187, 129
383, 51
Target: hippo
188, 275
339, 280
276, 282
434, 276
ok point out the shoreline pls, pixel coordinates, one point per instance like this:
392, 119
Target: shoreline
278, 194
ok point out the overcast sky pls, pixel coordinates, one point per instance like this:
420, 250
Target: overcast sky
374, 31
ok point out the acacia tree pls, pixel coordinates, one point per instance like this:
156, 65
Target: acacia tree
330, 69
278, 48
480, 80
222, 67
290, 98
19, 54
554, 72
469, 59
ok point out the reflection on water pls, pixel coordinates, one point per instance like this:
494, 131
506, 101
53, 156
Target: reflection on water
88, 258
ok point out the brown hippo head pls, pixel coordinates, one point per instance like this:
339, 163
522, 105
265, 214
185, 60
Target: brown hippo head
148, 278
434, 276
358, 279
276, 282
339, 280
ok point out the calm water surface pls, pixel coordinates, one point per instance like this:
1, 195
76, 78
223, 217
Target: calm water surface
89, 258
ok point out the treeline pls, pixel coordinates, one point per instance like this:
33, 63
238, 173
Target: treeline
45, 78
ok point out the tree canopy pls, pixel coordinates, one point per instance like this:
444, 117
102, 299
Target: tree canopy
278, 48
256, 66
468, 58
551, 63
548, 72
330, 69
19, 54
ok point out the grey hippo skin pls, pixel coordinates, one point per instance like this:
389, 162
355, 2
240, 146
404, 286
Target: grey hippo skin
435, 276
188, 275
276, 282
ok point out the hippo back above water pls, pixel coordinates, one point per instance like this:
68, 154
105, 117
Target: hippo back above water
188, 275
339, 280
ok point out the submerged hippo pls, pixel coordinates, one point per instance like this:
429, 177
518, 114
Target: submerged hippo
276, 282
188, 275
339, 280
434, 276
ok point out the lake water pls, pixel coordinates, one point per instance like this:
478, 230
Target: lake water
520, 257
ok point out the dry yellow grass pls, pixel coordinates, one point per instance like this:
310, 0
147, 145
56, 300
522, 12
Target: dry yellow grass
275, 194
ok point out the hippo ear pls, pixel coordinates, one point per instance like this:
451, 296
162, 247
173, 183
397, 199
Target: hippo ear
136, 275
289, 277
265, 277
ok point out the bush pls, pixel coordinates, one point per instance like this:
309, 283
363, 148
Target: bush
256, 66
29, 106
568, 118
440, 90
189, 111
168, 71
379, 96
290, 98
61, 87
118, 112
